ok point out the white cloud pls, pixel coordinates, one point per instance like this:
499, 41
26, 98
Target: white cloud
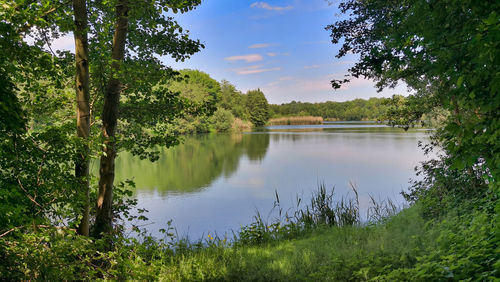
264, 5
289, 84
248, 58
273, 54
279, 81
312, 67
261, 45
254, 69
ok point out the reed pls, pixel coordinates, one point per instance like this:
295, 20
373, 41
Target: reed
241, 125
296, 120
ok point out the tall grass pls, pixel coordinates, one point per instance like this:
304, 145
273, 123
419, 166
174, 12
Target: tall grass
337, 247
296, 120
328, 253
239, 125
322, 210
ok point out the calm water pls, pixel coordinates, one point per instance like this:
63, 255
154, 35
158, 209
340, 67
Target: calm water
215, 183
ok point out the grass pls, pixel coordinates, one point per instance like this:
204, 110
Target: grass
321, 241
325, 253
239, 125
325, 241
295, 120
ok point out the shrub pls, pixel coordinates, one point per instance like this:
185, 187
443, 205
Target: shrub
222, 120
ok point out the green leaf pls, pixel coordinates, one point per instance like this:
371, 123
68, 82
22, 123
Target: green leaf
460, 81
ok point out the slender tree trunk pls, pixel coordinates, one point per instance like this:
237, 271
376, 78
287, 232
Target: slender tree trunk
82, 162
104, 218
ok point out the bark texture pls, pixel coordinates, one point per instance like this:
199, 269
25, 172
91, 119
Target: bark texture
82, 162
104, 217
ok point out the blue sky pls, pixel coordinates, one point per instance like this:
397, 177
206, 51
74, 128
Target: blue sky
279, 46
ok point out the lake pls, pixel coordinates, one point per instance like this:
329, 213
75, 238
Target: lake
214, 183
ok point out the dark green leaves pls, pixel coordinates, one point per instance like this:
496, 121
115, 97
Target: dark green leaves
447, 51
258, 108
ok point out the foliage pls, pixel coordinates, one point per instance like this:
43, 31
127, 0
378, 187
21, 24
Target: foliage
404, 246
443, 187
449, 53
37, 163
32, 155
222, 120
408, 111
257, 107
449, 234
198, 87
147, 105
450, 59
12, 118
30, 193
357, 109
203, 92
220, 99
233, 100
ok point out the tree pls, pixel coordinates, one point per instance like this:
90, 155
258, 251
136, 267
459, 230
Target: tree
232, 99
198, 87
449, 53
257, 107
82, 87
221, 120
36, 175
203, 92
141, 32
125, 40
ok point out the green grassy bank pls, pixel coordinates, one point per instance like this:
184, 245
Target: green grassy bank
408, 246
403, 248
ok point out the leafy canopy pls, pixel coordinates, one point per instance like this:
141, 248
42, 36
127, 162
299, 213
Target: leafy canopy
258, 107
448, 52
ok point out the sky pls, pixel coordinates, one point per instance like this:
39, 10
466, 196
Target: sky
278, 46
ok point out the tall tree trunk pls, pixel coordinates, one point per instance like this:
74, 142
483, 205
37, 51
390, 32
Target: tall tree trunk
104, 219
82, 162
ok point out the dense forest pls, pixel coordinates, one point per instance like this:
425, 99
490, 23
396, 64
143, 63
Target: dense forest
58, 221
229, 108
358, 109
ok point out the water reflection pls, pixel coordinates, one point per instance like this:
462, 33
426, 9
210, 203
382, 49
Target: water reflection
193, 165
216, 182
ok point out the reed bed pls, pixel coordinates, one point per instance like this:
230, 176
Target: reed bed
241, 125
296, 120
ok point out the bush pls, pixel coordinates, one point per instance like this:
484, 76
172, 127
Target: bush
222, 120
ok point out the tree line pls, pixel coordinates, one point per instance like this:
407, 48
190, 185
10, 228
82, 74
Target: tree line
357, 109
230, 108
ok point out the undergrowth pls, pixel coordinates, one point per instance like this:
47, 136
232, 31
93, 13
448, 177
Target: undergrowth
323, 240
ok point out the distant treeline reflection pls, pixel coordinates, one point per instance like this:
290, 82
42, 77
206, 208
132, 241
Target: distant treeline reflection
195, 164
